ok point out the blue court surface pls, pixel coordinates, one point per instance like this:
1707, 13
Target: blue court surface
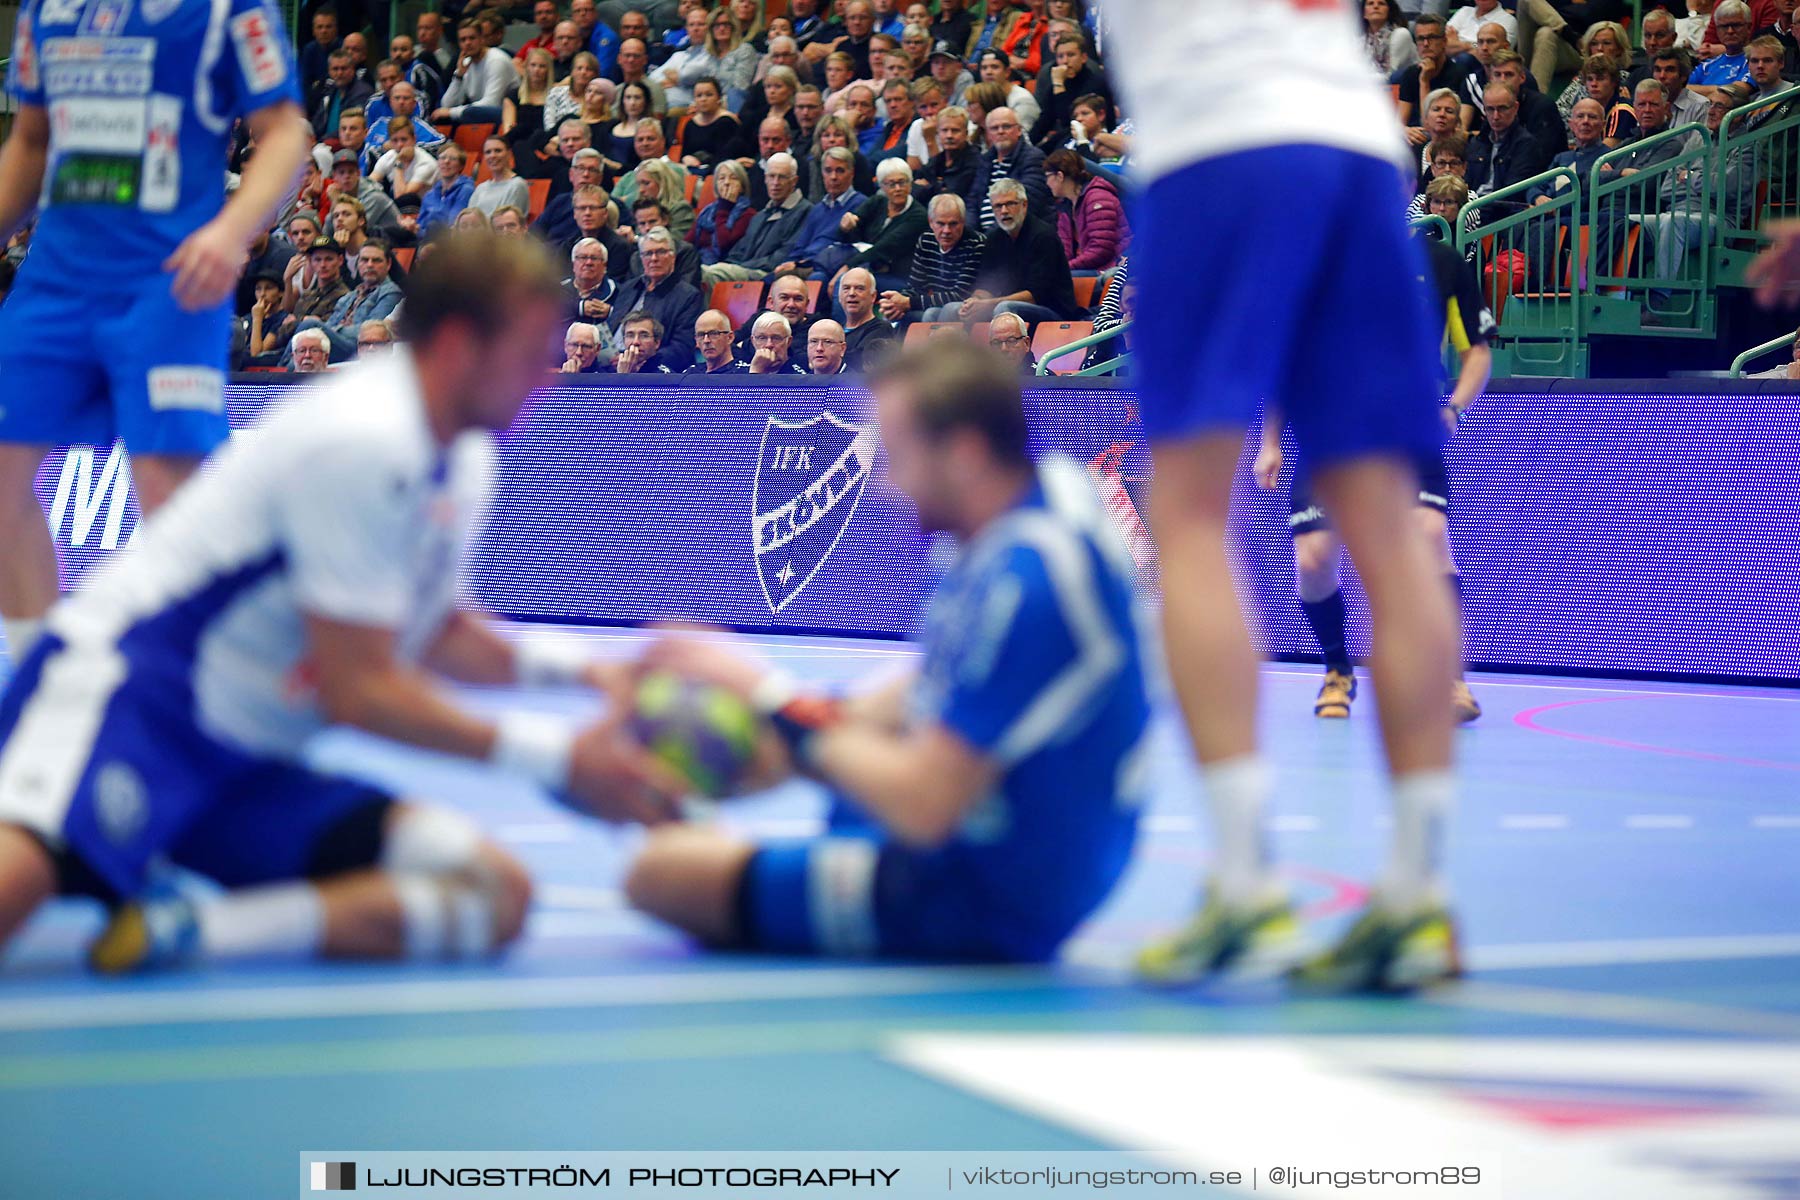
1624, 858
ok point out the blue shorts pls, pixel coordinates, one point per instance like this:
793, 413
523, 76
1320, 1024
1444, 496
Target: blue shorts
1286, 275
103, 762
87, 365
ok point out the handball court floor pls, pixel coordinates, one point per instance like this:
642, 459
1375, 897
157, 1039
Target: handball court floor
1624, 857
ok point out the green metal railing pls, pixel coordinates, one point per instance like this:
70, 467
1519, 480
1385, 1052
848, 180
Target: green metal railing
1648, 206
1092, 339
1755, 181
1784, 342
1539, 317
1434, 226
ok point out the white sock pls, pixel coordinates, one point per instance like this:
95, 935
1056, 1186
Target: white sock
1414, 875
1237, 792
282, 920
21, 634
444, 919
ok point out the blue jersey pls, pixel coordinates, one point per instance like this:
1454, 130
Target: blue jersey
1032, 656
141, 97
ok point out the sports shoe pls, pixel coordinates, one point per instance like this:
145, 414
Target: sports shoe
1251, 941
1335, 695
1385, 951
1463, 703
152, 934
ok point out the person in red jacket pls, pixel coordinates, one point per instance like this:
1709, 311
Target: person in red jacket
1091, 218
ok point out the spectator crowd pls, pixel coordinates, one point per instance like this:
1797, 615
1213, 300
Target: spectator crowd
739, 188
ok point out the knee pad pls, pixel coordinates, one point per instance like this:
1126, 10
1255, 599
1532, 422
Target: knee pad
431, 841
445, 919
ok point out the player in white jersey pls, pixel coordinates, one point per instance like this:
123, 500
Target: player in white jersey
308, 579
1237, 101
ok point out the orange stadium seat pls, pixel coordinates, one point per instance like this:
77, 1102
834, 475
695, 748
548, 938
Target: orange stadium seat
705, 195
403, 255
1051, 336
814, 288
1085, 287
737, 299
470, 137
920, 332
540, 196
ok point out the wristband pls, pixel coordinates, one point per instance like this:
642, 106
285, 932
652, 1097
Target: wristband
536, 745
549, 664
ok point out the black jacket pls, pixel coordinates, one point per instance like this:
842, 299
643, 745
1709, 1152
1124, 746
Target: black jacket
1031, 262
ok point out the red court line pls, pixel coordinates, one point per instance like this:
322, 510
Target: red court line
1529, 720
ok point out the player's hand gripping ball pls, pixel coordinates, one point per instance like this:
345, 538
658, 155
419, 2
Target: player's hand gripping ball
702, 731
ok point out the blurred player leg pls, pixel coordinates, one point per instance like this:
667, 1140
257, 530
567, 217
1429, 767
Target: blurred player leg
1407, 937
27, 878
1246, 921
1434, 533
28, 581
1316, 554
692, 878
437, 891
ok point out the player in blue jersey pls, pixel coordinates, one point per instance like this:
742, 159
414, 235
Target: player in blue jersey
309, 578
120, 322
1321, 317
984, 807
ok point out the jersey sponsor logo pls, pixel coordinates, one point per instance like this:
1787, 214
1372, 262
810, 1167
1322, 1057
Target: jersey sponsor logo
88, 49
80, 498
260, 53
94, 124
810, 477
25, 58
187, 389
105, 17
162, 160
60, 12
98, 79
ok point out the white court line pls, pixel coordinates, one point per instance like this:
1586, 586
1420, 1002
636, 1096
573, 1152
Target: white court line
1775, 821
1534, 821
1529, 956
1478, 682
1566, 1004
524, 993
1658, 821
513, 993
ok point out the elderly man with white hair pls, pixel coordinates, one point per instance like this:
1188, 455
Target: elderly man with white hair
581, 349
864, 328
773, 233
1734, 24
1010, 338
885, 231
1023, 268
312, 352
771, 337
589, 290
825, 349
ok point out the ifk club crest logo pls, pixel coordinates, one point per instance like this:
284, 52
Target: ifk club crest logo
810, 477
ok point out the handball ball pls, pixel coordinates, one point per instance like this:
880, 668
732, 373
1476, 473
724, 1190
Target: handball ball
704, 732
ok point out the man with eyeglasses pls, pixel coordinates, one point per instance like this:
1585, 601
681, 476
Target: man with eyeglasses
588, 290
1506, 154
1023, 268
1732, 20
1009, 156
825, 349
773, 232
770, 339
790, 297
1434, 70
374, 337
660, 293
642, 334
1448, 156
1009, 337
712, 333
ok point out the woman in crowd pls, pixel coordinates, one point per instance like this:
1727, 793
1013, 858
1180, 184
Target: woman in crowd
774, 99
728, 58
471, 220
724, 221
711, 134
748, 14
660, 180
1605, 39
835, 131
565, 98
522, 109
1020, 38
635, 107
890, 224
1443, 116
915, 41
1090, 214
1385, 38
1448, 197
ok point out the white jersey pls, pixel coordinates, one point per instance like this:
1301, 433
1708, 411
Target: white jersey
339, 504
1204, 78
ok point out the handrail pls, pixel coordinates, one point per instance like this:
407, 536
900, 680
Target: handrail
1092, 339
1430, 221
1786, 340
1519, 189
